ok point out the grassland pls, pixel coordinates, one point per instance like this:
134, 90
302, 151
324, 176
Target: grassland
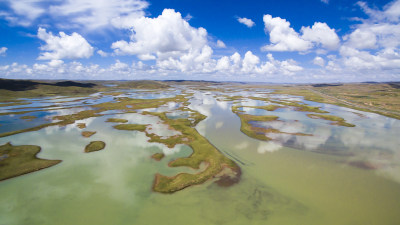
95, 146
380, 98
19, 160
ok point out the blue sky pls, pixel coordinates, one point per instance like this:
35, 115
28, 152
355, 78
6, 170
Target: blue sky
252, 40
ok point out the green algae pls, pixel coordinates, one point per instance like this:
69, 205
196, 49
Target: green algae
19, 160
336, 120
95, 146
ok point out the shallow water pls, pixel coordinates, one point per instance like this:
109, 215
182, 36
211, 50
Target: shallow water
279, 184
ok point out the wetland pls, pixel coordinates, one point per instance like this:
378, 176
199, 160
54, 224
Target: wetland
121, 152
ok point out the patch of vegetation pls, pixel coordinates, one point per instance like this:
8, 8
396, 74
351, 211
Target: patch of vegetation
113, 93
297, 106
336, 119
116, 120
247, 125
121, 104
11, 89
382, 98
158, 156
87, 134
95, 146
256, 132
203, 152
19, 160
81, 125
266, 107
28, 118
143, 84
138, 127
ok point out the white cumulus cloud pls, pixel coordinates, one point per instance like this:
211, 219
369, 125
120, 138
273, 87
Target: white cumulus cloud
321, 34
319, 61
86, 14
221, 44
282, 36
63, 46
248, 22
166, 35
285, 38
3, 51
102, 53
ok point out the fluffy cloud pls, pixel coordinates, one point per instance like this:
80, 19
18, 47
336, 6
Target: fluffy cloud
319, 61
166, 35
63, 46
376, 35
221, 44
102, 53
3, 51
170, 40
86, 14
391, 12
282, 36
285, 38
373, 45
248, 22
233, 67
321, 34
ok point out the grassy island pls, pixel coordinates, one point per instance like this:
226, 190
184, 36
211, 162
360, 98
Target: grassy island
157, 156
19, 160
87, 134
203, 152
95, 146
116, 120
336, 120
138, 127
81, 125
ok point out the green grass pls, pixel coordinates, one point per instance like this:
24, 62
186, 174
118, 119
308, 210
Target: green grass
81, 125
336, 120
88, 133
258, 132
19, 160
266, 107
95, 146
138, 127
203, 152
121, 104
116, 120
